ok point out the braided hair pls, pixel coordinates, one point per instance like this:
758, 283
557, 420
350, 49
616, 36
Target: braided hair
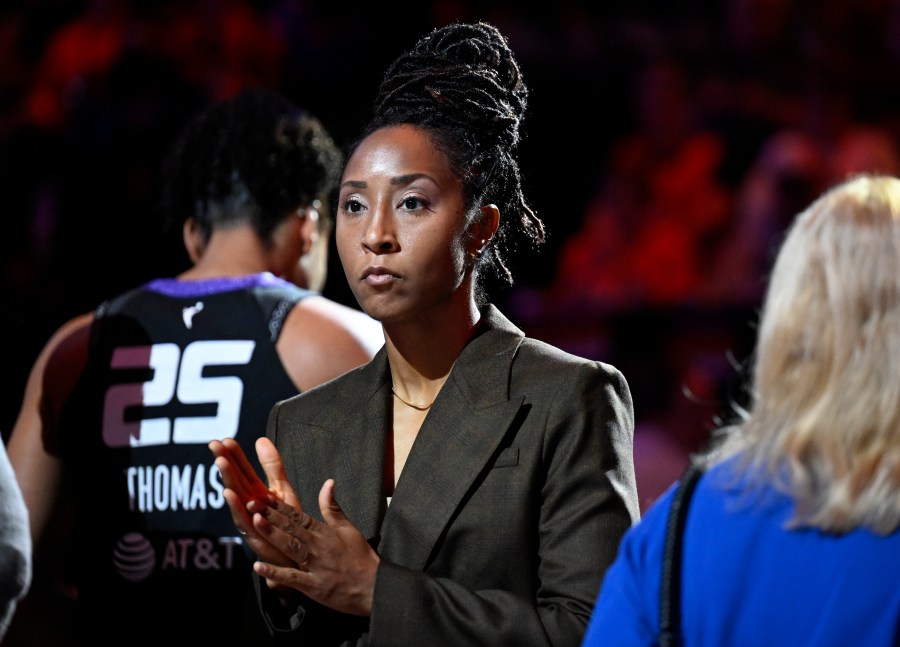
462, 85
255, 157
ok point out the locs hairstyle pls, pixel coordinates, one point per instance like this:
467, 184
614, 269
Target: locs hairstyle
461, 84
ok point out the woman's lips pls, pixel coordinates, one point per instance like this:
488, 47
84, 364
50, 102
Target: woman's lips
379, 276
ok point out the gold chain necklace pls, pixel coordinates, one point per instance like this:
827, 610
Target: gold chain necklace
417, 407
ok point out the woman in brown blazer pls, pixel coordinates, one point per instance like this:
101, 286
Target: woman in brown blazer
472, 484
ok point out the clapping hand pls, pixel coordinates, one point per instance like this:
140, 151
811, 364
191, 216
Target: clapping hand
244, 489
330, 562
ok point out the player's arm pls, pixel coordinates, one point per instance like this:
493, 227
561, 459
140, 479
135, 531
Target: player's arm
52, 378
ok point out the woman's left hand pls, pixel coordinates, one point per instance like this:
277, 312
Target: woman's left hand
336, 566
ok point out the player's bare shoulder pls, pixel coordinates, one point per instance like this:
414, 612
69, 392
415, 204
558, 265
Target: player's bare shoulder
322, 339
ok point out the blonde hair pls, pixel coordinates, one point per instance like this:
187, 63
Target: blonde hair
824, 422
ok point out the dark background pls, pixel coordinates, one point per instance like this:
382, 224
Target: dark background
647, 128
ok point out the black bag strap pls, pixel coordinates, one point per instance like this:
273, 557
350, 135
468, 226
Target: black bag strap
670, 587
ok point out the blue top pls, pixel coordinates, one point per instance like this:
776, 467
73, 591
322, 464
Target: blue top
748, 581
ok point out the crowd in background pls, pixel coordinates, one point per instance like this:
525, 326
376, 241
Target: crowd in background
669, 144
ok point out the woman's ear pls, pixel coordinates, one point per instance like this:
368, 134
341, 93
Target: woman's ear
484, 228
193, 239
309, 228
311, 269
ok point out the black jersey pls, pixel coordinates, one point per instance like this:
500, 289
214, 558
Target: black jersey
172, 366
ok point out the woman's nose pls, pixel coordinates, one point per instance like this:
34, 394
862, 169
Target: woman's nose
380, 235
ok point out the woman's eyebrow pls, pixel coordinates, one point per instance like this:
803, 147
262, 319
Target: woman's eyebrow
401, 180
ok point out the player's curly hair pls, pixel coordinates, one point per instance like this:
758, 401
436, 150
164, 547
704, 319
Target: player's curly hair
461, 83
254, 157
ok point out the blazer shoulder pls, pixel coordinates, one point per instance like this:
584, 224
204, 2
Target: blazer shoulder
334, 399
533, 352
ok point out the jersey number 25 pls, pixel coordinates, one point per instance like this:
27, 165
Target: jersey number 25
174, 374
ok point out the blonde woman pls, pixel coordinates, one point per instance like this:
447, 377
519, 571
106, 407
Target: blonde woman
791, 537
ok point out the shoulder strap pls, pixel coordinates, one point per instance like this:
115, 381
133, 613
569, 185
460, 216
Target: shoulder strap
276, 303
670, 588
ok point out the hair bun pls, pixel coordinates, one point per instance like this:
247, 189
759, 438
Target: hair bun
478, 45
468, 75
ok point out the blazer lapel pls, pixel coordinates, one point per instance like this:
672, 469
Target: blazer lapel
361, 433
458, 437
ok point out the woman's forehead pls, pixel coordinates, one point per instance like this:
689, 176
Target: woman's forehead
398, 150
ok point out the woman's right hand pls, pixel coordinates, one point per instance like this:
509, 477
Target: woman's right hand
246, 491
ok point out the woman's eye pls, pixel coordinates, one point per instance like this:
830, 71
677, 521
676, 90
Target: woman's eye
413, 203
352, 206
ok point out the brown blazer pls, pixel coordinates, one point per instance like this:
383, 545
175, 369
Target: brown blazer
508, 511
